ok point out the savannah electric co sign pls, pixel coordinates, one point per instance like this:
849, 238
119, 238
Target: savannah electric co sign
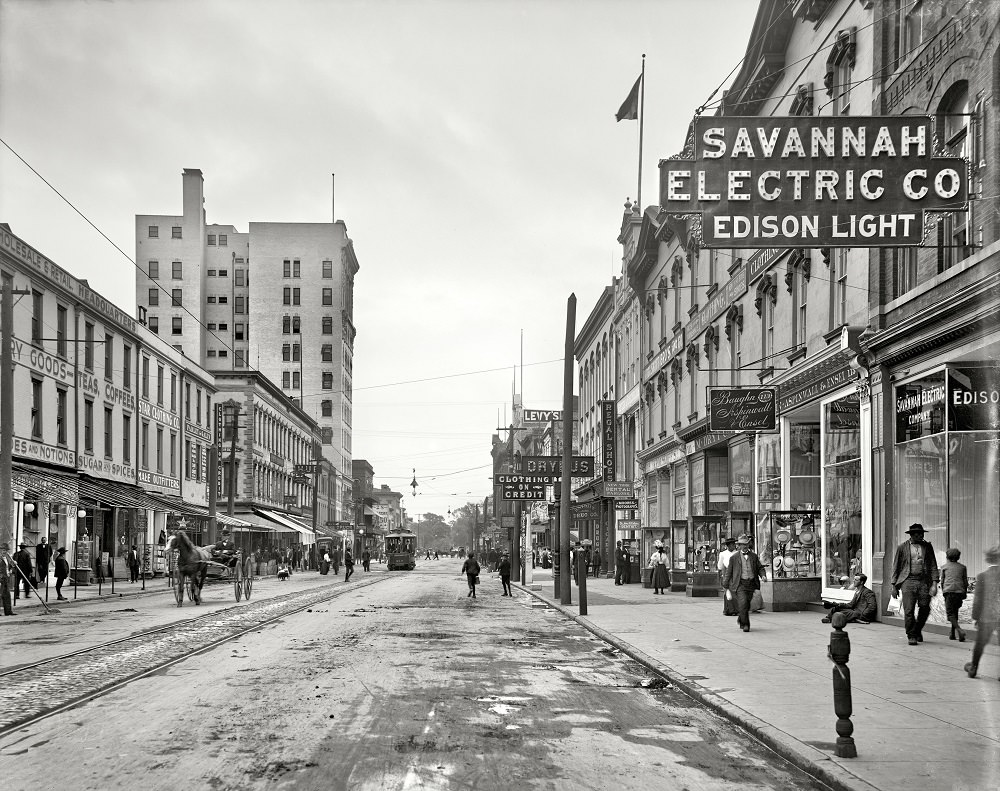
813, 182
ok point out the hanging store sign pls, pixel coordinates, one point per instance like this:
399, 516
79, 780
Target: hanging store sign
609, 460
540, 415
629, 524
618, 490
813, 182
588, 510
580, 466
627, 505
742, 409
522, 491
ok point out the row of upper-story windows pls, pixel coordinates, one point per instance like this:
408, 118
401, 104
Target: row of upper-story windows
291, 325
176, 270
175, 232
292, 267
223, 239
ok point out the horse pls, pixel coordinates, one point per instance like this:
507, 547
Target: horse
192, 563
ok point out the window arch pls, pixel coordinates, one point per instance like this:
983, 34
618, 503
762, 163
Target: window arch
952, 127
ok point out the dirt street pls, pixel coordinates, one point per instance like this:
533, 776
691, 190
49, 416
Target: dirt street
402, 685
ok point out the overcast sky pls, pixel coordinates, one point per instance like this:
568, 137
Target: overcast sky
479, 170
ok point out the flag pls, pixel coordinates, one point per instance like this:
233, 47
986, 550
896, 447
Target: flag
629, 110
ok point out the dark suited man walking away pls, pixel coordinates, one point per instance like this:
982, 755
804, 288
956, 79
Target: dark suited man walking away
62, 571
504, 569
43, 554
741, 578
626, 565
23, 561
366, 559
6, 570
348, 564
133, 564
915, 574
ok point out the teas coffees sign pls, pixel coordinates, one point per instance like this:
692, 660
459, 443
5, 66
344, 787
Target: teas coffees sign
742, 409
813, 182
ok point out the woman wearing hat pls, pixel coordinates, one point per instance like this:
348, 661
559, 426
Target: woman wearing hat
62, 571
658, 563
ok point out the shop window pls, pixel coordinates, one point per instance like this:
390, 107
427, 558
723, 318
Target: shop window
842, 551
678, 477
769, 471
698, 486
717, 473
741, 477
803, 466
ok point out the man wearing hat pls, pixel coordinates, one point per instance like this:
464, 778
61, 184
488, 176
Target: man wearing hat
862, 607
6, 569
915, 574
728, 606
43, 554
23, 561
62, 571
741, 578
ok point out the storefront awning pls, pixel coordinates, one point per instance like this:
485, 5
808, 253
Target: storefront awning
286, 522
117, 494
369, 511
31, 483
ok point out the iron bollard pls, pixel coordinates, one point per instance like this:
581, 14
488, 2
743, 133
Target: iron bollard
581, 577
839, 652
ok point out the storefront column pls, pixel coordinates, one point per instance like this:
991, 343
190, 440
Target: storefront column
882, 477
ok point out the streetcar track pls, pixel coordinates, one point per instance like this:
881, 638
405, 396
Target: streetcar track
24, 683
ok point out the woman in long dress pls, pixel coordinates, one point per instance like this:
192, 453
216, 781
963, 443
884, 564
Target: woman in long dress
658, 563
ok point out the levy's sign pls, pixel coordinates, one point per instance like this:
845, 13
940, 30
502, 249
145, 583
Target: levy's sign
813, 182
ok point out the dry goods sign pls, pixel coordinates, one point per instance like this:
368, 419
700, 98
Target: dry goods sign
813, 182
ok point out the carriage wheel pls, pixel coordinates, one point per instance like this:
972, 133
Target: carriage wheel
237, 574
248, 581
177, 583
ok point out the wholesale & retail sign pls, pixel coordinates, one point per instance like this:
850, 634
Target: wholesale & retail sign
813, 182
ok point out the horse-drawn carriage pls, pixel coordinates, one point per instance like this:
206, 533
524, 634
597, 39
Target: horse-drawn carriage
190, 568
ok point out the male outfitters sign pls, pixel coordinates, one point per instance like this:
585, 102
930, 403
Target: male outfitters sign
813, 182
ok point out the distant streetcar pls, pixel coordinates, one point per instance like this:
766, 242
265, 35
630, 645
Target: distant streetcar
400, 550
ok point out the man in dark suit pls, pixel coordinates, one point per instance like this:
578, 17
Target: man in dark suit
133, 564
915, 574
862, 607
741, 578
43, 554
626, 564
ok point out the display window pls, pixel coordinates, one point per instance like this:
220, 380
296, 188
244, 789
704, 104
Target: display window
698, 486
842, 535
679, 478
741, 476
768, 471
947, 460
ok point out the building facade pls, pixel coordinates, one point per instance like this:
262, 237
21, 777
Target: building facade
196, 288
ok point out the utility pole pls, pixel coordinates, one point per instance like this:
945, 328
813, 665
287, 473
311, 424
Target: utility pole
213, 493
7, 409
565, 572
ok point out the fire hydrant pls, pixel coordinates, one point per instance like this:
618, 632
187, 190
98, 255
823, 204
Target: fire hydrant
839, 652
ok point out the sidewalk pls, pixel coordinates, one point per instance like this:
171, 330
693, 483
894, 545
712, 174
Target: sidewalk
919, 721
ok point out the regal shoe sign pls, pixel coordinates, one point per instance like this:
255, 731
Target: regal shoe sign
813, 182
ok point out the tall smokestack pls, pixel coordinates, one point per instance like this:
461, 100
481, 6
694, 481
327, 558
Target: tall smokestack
333, 196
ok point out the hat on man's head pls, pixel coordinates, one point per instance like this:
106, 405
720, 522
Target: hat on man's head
743, 540
729, 540
993, 554
22, 545
916, 527
61, 551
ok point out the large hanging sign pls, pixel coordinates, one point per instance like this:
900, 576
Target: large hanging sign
741, 409
813, 182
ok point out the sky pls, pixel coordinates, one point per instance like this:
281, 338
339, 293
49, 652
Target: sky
478, 167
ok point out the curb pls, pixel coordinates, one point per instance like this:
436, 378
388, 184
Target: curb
813, 762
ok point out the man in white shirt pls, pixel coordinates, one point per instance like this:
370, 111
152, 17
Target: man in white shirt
728, 605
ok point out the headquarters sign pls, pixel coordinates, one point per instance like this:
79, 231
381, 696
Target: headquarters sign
813, 182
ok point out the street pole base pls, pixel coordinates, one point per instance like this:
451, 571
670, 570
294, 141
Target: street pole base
845, 748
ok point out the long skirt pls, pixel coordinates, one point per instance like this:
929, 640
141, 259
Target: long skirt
661, 579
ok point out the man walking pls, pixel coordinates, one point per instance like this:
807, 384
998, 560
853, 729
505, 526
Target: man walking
62, 572
6, 569
43, 554
23, 577
741, 578
366, 559
504, 569
348, 564
915, 574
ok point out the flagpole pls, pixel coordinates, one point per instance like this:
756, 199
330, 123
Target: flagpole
642, 103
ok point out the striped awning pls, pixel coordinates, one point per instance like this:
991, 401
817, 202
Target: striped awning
32, 483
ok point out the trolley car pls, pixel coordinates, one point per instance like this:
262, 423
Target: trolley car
400, 550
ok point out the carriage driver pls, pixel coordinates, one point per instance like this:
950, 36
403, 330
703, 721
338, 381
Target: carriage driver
224, 546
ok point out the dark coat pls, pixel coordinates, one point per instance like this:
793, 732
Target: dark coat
986, 600
348, 558
23, 561
734, 571
504, 567
901, 564
62, 567
865, 604
43, 554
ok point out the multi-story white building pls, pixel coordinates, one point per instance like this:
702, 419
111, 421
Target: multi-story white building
200, 282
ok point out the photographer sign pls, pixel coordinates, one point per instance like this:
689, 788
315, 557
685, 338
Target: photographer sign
741, 409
